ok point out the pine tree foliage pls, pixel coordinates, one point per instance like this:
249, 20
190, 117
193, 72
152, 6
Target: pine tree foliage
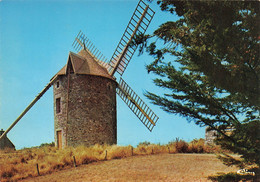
207, 62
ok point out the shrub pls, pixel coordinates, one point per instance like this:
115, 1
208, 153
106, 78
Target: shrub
145, 143
180, 146
52, 144
197, 146
141, 150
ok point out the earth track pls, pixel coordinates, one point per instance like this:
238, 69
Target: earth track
161, 167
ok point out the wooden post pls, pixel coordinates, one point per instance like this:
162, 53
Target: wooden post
74, 161
169, 150
132, 150
28, 108
106, 155
37, 168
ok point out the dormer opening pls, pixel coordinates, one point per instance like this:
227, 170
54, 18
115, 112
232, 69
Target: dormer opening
70, 69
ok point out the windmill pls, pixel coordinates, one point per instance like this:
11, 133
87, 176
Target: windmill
85, 89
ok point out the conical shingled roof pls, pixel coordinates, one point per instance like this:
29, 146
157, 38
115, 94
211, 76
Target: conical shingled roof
84, 63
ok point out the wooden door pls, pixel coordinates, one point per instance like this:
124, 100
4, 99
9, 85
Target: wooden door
59, 138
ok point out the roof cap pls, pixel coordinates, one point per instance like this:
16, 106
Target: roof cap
83, 63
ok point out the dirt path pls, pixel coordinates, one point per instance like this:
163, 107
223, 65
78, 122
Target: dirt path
163, 167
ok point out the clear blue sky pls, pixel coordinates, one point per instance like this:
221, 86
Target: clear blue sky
35, 39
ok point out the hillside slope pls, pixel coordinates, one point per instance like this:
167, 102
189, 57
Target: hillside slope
161, 167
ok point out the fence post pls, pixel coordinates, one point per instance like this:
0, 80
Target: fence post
106, 155
37, 168
74, 161
132, 150
169, 149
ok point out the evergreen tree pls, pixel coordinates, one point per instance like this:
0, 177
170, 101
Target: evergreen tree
208, 64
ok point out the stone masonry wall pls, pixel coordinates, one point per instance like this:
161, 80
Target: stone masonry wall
60, 119
91, 116
210, 136
92, 110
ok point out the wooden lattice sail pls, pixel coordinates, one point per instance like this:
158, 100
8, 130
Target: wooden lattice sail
82, 42
137, 105
138, 24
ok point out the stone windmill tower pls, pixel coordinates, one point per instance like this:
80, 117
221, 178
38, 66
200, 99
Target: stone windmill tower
84, 103
85, 89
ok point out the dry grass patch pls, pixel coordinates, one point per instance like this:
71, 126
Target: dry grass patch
118, 152
16, 165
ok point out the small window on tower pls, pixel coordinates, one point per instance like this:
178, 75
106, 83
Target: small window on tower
58, 84
109, 86
58, 105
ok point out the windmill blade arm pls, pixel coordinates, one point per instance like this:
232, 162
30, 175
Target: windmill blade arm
137, 105
138, 23
28, 107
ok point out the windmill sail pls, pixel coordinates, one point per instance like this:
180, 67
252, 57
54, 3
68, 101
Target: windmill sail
137, 105
138, 24
82, 42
